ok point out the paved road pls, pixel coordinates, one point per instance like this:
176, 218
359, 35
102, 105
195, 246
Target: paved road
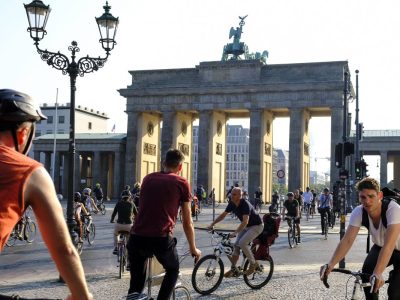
29, 271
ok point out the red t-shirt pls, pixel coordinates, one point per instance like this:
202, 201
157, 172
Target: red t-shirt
161, 195
15, 169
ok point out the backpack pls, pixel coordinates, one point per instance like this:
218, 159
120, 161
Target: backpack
388, 196
270, 232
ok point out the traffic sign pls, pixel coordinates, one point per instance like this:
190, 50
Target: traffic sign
280, 174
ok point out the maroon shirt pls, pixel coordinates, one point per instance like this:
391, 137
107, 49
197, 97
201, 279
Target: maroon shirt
161, 195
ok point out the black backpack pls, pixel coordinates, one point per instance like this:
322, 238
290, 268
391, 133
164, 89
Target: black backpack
388, 196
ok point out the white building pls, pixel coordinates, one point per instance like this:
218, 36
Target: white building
87, 120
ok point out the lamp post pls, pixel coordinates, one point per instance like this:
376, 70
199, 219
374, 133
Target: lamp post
38, 13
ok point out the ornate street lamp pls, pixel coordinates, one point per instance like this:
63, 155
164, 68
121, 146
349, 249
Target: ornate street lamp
37, 14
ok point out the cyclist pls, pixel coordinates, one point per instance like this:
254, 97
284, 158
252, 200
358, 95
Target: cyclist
152, 233
298, 196
136, 193
88, 201
324, 208
257, 197
313, 202
25, 182
308, 197
79, 209
98, 193
293, 210
126, 211
386, 248
250, 227
275, 202
126, 191
228, 193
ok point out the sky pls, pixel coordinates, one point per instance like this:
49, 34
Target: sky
159, 34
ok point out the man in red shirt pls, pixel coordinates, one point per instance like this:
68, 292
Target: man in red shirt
161, 195
25, 182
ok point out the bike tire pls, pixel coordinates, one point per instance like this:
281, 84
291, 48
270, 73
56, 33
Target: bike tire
79, 247
30, 231
291, 237
122, 261
11, 239
326, 227
217, 203
102, 209
91, 234
181, 292
261, 276
208, 266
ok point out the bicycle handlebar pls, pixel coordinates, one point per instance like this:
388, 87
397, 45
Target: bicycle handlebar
348, 272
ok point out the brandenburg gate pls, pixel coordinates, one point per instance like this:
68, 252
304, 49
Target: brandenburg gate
163, 104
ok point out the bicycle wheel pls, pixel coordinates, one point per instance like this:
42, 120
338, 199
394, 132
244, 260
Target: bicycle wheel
217, 203
30, 231
181, 292
79, 247
102, 208
326, 226
291, 237
91, 234
207, 274
11, 239
122, 260
261, 275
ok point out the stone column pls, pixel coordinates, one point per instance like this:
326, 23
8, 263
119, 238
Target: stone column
203, 156
336, 137
36, 155
167, 140
256, 141
57, 171
296, 132
96, 168
131, 148
47, 161
117, 186
77, 175
383, 171
396, 170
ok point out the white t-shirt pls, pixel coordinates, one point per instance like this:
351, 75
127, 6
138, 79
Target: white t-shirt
308, 196
378, 235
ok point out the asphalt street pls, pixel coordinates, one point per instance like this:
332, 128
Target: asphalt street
27, 269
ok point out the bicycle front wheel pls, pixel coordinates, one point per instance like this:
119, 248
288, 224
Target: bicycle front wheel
261, 275
291, 237
91, 234
102, 208
207, 274
11, 239
79, 247
181, 292
30, 231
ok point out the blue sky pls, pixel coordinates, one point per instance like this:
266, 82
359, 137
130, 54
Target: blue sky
158, 34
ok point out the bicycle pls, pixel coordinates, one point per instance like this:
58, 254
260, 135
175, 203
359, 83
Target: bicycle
292, 237
89, 230
101, 206
180, 291
122, 253
209, 270
307, 207
325, 223
258, 205
358, 288
25, 230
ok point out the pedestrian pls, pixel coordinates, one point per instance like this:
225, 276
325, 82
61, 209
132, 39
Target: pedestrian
25, 182
152, 233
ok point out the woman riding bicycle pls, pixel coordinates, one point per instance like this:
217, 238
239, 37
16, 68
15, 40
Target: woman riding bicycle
247, 231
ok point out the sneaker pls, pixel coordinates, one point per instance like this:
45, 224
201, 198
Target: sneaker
80, 240
251, 269
115, 252
298, 240
232, 272
322, 233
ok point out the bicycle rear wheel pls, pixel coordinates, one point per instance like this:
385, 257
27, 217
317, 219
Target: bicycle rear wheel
122, 260
30, 231
102, 208
181, 292
79, 247
91, 234
326, 226
261, 275
207, 274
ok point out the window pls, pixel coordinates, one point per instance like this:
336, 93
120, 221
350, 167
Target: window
49, 119
49, 131
61, 119
90, 125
